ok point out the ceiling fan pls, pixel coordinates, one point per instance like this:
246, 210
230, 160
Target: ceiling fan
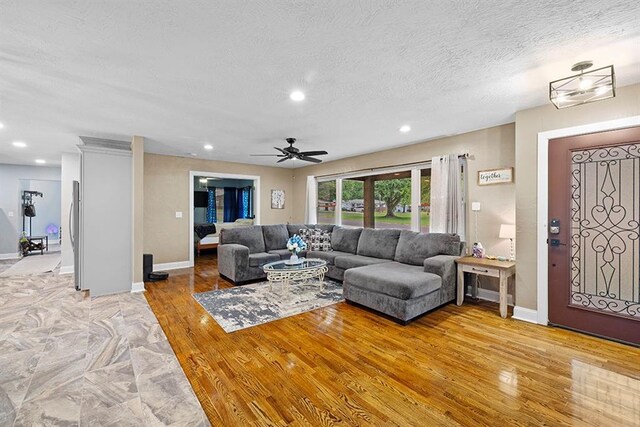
291, 152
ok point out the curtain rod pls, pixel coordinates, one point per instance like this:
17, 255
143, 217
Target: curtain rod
460, 156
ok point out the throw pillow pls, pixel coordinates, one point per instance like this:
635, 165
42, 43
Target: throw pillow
316, 239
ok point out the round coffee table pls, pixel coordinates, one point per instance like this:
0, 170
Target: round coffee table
285, 273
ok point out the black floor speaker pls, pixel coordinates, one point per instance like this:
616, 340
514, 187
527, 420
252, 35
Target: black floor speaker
147, 266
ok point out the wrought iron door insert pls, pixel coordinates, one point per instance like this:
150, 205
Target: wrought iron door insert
605, 230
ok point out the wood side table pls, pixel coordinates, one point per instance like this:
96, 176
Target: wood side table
486, 267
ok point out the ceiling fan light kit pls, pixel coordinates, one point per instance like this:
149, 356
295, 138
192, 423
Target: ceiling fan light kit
291, 152
583, 88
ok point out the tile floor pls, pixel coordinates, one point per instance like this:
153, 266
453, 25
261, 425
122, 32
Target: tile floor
67, 359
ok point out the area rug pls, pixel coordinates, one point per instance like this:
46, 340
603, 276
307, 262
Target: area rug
245, 306
33, 264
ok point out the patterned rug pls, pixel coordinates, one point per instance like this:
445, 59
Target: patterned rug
245, 306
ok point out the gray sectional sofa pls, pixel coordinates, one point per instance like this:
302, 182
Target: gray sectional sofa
397, 272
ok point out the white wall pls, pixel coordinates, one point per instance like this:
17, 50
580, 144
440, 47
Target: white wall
10, 203
70, 173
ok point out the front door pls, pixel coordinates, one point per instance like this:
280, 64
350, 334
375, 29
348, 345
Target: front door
594, 230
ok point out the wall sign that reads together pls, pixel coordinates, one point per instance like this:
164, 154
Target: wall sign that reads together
495, 176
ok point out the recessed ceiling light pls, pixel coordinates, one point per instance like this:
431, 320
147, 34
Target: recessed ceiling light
41, 161
297, 96
19, 144
193, 154
203, 180
1, 125
405, 128
208, 147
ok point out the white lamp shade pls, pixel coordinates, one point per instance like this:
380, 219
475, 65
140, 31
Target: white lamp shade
507, 231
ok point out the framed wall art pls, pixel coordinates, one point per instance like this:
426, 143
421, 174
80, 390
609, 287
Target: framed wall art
277, 199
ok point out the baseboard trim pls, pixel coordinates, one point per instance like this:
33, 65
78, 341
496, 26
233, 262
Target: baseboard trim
493, 296
66, 269
525, 314
137, 287
10, 256
171, 265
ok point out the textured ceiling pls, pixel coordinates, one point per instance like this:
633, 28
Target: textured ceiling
185, 73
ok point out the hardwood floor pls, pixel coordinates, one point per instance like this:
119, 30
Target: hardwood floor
343, 365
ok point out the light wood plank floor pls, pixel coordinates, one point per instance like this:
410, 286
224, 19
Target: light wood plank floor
344, 365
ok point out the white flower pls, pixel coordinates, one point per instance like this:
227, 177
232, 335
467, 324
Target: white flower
295, 245
290, 246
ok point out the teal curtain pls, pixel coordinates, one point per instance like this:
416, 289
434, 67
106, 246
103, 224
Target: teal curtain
212, 213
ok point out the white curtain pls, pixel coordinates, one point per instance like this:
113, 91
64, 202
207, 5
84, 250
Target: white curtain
310, 207
447, 211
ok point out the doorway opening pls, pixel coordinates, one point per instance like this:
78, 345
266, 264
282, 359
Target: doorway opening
217, 201
40, 216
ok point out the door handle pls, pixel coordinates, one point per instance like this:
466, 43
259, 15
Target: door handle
71, 236
555, 242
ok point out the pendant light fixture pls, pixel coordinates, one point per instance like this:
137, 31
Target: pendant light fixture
588, 86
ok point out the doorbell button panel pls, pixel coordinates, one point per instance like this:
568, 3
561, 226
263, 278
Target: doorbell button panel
554, 226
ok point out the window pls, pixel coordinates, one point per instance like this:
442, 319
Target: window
352, 203
219, 204
326, 210
392, 204
425, 199
393, 197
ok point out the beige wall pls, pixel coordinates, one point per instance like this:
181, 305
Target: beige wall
137, 149
489, 149
528, 124
166, 191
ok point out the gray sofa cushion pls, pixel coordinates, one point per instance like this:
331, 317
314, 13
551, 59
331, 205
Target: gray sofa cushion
414, 247
352, 261
326, 256
345, 239
394, 279
250, 237
275, 236
262, 258
295, 228
378, 243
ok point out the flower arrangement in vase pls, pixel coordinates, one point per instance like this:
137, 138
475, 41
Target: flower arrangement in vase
295, 245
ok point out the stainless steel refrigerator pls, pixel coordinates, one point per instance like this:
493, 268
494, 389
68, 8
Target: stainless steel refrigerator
102, 218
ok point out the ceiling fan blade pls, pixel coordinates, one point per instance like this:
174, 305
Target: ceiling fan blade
283, 159
310, 159
281, 150
313, 153
266, 155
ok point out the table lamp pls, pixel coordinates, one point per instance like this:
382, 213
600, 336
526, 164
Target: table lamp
508, 231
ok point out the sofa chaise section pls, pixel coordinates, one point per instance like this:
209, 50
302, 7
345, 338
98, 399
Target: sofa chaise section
421, 276
398, 290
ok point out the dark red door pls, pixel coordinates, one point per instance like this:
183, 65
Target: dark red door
594, 233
